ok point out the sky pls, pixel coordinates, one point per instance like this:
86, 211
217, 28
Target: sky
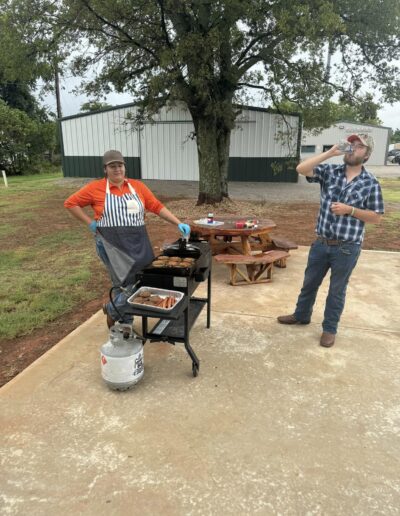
71, 103
390, 116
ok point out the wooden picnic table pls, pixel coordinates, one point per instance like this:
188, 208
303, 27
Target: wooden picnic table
227, 238
251, 248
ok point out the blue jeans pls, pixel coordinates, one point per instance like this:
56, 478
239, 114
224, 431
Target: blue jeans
121, 304
341, 259
120, 295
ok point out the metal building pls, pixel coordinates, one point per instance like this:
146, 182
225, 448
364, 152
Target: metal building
315, 144
265, 146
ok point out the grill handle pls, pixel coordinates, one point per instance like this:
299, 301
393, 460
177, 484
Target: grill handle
183, 242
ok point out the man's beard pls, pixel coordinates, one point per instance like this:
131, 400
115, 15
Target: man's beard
352, 160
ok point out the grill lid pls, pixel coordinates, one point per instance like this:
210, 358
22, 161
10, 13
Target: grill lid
183, 249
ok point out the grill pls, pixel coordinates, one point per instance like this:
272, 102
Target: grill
175, 327
184, 279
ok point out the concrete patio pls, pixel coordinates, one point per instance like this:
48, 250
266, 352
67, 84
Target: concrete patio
273, 424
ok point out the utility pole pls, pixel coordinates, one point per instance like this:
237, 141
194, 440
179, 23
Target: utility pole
57, 88
328, 61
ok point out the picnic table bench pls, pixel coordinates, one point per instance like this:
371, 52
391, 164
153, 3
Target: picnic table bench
256, 268
281, 244
249, 252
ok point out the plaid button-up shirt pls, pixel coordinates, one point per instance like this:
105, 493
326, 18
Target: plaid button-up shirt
363, 192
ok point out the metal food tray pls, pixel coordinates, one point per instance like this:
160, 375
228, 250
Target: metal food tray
157, 292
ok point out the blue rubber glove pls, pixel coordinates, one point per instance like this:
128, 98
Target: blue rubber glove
93, 226
184, 229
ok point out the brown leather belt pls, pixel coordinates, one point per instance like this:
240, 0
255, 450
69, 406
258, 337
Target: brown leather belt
327, 241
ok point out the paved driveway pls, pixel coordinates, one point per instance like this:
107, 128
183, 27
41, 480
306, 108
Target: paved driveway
273, 424
242, 190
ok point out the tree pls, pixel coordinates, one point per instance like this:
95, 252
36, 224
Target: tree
31, 45
362, 109
23, 140
17, 69
208, 53
27, 130
17, 95
93, 105
395, 138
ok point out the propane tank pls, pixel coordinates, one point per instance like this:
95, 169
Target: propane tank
122, 358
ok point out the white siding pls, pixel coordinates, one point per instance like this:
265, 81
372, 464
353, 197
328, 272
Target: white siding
92, 135
165, 147
173, 113
259, 134
167, 152
341, 131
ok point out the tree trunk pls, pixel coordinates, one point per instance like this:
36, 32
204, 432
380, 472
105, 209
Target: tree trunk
209, 162
213, 136
223, 144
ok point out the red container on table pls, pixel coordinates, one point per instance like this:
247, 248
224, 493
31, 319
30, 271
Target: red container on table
240, 224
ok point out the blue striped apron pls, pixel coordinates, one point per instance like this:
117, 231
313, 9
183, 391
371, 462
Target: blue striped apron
123, 234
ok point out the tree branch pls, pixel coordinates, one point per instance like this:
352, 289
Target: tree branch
261, 56
249, 47
163, 24
119, 29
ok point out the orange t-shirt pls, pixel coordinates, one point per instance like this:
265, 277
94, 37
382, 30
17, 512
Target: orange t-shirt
94, 193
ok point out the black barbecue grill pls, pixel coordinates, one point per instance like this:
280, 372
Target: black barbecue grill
195, 273
175, 326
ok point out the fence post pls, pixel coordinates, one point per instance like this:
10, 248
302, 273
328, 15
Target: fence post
5, 178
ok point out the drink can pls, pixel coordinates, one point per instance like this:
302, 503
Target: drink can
210, 218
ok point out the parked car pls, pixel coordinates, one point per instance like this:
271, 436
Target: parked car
396, 158
392, 154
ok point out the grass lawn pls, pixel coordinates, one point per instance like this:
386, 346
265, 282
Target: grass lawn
46, 262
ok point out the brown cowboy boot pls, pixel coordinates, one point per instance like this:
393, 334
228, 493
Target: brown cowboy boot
290, 319
327, 339
110, 320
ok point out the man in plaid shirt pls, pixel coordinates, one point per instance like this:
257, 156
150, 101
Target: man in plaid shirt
350, 197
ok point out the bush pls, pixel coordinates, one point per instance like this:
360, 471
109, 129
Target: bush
23, 141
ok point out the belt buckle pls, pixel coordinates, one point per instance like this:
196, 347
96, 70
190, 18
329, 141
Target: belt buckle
328, 241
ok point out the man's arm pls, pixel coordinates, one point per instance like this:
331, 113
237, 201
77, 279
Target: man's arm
306, 167
368, 216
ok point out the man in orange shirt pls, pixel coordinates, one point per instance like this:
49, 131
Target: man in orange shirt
119, 206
